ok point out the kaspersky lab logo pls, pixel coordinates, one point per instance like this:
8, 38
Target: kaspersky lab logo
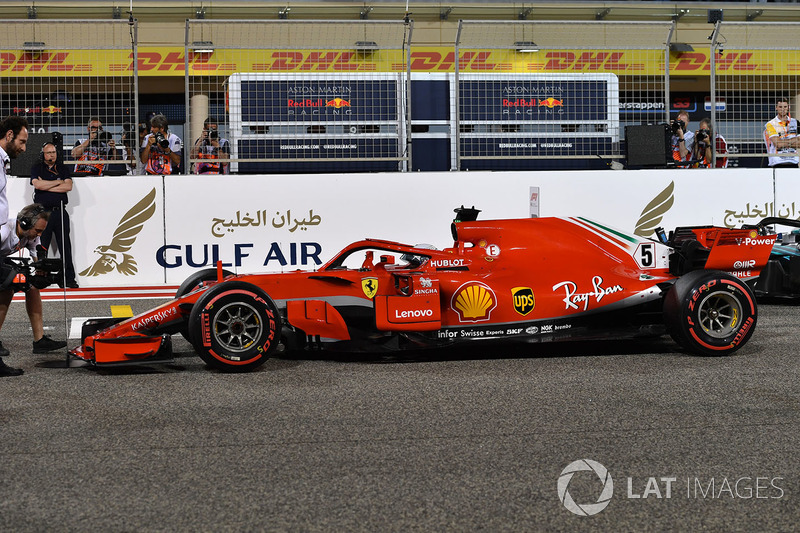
579, 467
114, 256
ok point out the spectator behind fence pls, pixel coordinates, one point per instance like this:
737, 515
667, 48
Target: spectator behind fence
13, 141
682, 139
780, 136
99, 146
18, 233
210, 147
161, 150
51, 183
704, 149
132, 141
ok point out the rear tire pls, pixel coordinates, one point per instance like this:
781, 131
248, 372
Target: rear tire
709, 312
235, 326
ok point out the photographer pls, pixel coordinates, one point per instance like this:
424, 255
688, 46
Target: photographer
161, 150
18, 233
210, 147
682, 139
131, 141
100, 146
704, 148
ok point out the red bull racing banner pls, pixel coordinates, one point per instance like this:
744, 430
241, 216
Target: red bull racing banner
303, 120
524, 116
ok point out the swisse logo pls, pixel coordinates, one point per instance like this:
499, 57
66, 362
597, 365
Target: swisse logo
756, 242
414, 313
591, 508
740, 265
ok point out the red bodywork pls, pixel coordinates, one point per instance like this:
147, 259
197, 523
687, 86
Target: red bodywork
531, 278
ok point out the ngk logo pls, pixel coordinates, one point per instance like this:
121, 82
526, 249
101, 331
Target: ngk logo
750, 263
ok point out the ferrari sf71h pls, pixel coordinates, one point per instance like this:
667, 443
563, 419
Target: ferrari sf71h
536, 280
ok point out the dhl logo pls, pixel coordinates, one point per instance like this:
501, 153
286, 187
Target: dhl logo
337, 103
173, 61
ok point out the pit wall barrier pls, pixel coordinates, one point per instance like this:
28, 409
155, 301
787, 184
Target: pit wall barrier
153, 230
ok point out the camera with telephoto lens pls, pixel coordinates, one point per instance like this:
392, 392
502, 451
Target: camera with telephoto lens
161, 140
678, 125
703, 135
101, 140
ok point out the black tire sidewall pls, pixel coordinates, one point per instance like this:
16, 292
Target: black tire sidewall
682, 312
194, 281
202, 316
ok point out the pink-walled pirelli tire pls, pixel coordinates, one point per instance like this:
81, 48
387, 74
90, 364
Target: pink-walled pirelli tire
709, 312
193, 282
235, 326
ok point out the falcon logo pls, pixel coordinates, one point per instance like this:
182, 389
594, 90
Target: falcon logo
337, 103
113, 256
370, 287
523, 300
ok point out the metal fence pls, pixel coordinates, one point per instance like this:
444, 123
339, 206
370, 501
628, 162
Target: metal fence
304, 95
59, 75
321, 96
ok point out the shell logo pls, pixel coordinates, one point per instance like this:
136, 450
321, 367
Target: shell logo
473, 302
337, 103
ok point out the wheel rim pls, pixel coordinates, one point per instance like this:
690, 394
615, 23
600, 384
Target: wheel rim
237, 327
720, 314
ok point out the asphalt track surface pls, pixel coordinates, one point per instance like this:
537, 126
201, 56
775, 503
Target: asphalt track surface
450, 440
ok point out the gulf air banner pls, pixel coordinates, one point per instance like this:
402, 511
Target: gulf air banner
171, 61
153, 230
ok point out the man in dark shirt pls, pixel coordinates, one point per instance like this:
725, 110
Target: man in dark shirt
51, 182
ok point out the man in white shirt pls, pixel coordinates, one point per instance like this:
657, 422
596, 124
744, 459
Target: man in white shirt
780, 136
13, 141
16, 234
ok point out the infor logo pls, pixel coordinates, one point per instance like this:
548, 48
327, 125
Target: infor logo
585, 509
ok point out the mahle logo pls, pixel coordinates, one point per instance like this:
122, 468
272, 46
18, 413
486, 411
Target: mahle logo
579, 466
113, 256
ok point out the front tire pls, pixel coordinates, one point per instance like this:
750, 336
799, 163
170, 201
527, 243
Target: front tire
193, 282
709, 312
235, 326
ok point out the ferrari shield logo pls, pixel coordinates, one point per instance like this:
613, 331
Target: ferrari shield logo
370, 287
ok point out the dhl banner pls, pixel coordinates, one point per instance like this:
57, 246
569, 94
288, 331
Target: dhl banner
171, 61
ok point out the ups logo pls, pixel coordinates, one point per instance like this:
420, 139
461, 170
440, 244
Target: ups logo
523, 300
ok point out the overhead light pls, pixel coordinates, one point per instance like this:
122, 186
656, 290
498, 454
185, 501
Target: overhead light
680, 47
526, 46
366, 46
33, 46
203, 47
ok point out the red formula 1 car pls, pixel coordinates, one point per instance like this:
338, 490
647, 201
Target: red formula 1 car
537, 280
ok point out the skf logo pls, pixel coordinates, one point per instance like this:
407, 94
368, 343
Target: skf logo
473, 302
337, 103
551, 102
370, 287
523, 300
